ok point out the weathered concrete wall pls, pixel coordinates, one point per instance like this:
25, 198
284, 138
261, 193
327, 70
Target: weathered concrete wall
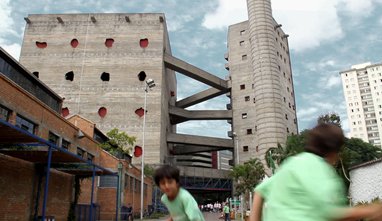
366, 183
262, 84
123, 94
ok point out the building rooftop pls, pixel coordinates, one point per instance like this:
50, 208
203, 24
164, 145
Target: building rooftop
16, 72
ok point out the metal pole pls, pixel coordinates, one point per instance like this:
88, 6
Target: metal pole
46, 182
117, 200
250, 200
91, 196
143, 151
242, 207
237, 150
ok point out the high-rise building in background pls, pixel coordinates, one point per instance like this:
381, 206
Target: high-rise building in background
262, 97
362, 86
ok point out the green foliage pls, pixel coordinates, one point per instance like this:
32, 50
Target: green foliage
247, 175
119, 143
148, 170
295, 144
355, 150
375, 200
332, 118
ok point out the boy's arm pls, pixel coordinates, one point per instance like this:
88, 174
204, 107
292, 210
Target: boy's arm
192, 210
372, 212
257, 207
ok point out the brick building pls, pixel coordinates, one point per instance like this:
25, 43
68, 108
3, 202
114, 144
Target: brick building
30, 113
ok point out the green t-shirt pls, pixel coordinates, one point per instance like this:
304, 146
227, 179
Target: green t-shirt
226, 209
305, 188
183, 207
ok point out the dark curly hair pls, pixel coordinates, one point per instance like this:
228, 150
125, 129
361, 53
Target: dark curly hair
166, 171
325, 138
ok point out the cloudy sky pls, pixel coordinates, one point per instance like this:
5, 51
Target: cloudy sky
326, 36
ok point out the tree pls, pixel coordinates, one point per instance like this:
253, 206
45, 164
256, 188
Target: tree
295, 144
119, 143
247, 175
148, 170
332, 118
355, 151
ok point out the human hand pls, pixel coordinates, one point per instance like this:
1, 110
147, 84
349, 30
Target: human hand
375, 212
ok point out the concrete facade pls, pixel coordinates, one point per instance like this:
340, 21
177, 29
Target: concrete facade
262, 96
362, 86
366, 182
92, 46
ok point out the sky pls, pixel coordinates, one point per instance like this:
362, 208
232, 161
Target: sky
326, 37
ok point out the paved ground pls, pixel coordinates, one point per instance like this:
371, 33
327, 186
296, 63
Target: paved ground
208, 217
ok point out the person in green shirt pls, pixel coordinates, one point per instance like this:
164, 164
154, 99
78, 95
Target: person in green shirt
307, 188
179, 202
226, 212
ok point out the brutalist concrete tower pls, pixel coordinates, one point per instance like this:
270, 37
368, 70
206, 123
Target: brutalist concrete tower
99, 63
263, 100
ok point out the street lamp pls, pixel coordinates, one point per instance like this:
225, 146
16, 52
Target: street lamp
235, 137
149, 84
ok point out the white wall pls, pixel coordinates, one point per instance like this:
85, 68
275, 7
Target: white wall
366, 182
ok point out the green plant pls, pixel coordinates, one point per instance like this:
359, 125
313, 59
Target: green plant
247, 175
119, 142
148, 170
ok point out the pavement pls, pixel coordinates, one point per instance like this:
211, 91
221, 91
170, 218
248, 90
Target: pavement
208, 217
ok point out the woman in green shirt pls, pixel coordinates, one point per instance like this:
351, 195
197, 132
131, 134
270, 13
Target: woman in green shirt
307, 188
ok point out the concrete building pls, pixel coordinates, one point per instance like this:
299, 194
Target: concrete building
30, 126
366, 182
99, 63
262, 94
224, 159
362, 86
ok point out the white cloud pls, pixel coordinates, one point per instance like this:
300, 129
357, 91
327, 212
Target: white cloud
13, 49
331, 81
306, 114
205, 128
227, 13
7, 29
309, 23
357, 7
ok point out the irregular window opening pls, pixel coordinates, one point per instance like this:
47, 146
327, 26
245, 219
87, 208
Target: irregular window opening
142, 76
74, 43
137, 151
69, 76
140, 112
109, 42
249, 131
40, 44
36, 74
65, 112
247, 98
245, 148
105, 76
244, 116
102, 112
144, 43
172, 93
242, 87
